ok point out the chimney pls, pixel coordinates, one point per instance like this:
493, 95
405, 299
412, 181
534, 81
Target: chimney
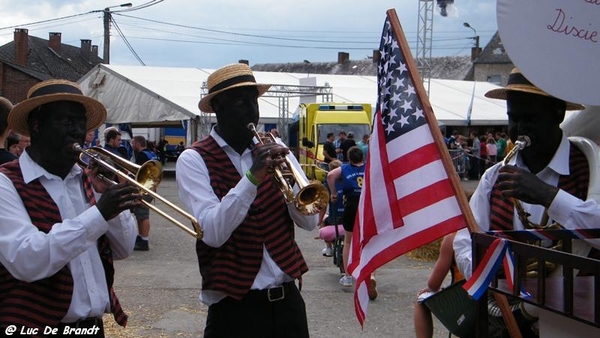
343, 57
376, 55
21, 46
86, 48
246, 62
54, 42
475, 51
95, 50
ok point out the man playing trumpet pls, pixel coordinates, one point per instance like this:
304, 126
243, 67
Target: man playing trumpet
248, 257
550, 176
59, 235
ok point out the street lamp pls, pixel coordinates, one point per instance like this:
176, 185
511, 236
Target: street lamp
474, 55
107, 17
475, 37
307, 63
475, 52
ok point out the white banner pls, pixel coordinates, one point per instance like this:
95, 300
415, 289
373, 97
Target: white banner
556, 44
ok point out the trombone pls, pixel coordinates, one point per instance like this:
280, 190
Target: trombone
147, 178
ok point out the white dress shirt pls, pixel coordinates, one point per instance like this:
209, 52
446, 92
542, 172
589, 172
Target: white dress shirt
30, 255
568, 210
219, 218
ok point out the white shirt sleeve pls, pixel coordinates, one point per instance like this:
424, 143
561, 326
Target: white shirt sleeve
480, 206
29, 254
121, 234
573, 213
218, 219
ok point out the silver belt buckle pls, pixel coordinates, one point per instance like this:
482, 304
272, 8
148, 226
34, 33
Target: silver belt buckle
282, 296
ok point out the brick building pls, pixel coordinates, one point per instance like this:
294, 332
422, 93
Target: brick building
28, 60
493, 63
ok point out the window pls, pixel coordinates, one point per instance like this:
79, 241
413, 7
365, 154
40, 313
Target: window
495, 79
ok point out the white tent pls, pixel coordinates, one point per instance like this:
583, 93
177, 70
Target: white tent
146, 95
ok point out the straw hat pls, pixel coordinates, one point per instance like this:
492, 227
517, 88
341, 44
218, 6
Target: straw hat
518, 83
228, 77
53, 91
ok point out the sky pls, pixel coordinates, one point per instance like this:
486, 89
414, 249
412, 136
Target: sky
203, 34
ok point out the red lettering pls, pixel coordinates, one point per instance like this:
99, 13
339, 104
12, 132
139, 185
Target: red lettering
560, 26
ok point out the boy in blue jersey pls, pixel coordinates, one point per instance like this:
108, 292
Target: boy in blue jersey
352, 175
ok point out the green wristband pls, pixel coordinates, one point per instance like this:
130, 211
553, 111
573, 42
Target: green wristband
252, 178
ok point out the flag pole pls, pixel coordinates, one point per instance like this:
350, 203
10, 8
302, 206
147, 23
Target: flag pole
432, 122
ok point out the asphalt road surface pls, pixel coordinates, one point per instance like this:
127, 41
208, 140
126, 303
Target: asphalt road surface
159, 288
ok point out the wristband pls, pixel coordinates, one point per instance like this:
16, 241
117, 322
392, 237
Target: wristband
252, 178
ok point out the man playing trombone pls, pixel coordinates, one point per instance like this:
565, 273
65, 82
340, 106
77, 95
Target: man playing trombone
248, 257
59, 235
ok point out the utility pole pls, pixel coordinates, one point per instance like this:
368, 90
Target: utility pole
106, 55
107, 18
474, 52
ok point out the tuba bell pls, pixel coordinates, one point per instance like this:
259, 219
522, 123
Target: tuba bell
312, 196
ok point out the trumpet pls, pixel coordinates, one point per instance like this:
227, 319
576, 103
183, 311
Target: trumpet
522, 142
147, 178
312, 196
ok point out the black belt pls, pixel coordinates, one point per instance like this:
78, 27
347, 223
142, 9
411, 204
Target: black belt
84, 323
272, 294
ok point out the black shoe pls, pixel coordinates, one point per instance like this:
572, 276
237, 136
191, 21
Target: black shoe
141, 244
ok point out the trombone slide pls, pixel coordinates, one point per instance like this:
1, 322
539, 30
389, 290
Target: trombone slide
149, 173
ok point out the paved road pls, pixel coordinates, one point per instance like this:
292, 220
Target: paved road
159, 289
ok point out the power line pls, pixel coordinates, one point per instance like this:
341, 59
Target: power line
239, 42
45, 21
346, 40
127, 41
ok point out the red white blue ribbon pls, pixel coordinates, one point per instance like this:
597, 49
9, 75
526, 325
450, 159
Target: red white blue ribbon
498, 252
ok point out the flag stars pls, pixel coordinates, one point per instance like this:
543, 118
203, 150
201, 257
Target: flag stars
383, 54
387, 91
418, 114
403, 120
407, 105
398, 83
392, 115
402, 68
395, 98
389, 128
410, 90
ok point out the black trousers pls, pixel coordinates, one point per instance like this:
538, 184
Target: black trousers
259, 314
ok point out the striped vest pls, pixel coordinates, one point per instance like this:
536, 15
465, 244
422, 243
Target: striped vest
232, 268
576, 184
45, 302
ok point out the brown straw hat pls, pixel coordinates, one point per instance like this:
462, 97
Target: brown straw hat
53, 91
228, 77
518, 83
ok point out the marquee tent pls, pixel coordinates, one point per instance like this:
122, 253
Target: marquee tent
162, 95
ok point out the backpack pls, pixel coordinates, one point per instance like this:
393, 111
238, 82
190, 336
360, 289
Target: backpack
151, 155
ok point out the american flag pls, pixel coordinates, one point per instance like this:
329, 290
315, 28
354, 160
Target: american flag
411, 194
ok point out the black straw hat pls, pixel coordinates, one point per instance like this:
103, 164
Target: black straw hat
53, 91
228, 77
518, 83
